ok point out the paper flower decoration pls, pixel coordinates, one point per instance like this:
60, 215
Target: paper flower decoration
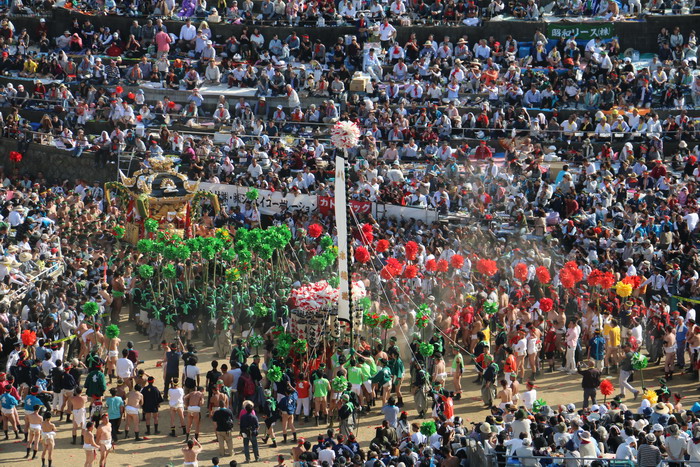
431, 265
15, 156
300, 346
28, 338
150, 224
426, 349
274, 374
443, 265
594, 277
538, 405
623, 290
145, 271
520, 272
487, 267
651, 396
422, 321
411, 249
339, 384
387, 273
457, 261
345, 135
428, 429
490, 308
361, 255
90, 308
252, 194
382, 246
639, 361
542, 274
386, 321
634, 281
315, 231
254, 340
119, 231
607, 280
370, 319
112, 331
606, 387
410, 272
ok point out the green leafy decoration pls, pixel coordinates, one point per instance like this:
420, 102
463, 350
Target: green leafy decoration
538, 404
145, 271
339, 384
169, 271
254, 340
274, 374
261, 310
151, 225
428, 428
490, 308
252, 194
300, 346
639, 361
144, 245
119, 231
334, 281
326, 241
112, 331
90, 308
426, 349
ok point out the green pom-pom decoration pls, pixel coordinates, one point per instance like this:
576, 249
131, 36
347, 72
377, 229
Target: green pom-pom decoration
194, 244
334, 282
370, 319
119, 231
157, 248
265, 251
274, 374
253, 194
490, 308
228, 254
386, 321
639, 361
170, 252
112, 331
300, 346
208, 252
151, 225
260, 310
232, 274
326, 241
254, 340
169, 271
144, 245
145, 271
183, 252
318, 263
538, 404
91, 308
339, 384
426, 349
428, 428
364, 303
424, 309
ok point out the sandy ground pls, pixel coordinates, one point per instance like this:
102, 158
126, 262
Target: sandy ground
160, 450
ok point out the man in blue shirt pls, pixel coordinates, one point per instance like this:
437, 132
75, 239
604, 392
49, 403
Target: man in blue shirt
115, 411
8, 402
596, 349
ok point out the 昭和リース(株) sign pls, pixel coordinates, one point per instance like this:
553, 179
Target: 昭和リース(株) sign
580, 31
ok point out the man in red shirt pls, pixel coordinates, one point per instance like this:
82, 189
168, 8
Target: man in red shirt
303, 388
483, 152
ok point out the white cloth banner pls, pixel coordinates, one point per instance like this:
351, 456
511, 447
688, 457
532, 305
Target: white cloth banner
269, 202
341, 223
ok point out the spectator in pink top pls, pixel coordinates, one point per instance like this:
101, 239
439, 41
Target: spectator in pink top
163, 41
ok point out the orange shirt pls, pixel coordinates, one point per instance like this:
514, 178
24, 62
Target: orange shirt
511, 365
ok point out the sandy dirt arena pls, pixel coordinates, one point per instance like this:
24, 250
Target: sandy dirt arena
162, 450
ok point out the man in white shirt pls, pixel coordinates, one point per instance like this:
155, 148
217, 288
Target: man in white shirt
125, 369
188, 34
255, 170
387, 33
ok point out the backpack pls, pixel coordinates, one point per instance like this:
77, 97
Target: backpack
190, 383
248, 386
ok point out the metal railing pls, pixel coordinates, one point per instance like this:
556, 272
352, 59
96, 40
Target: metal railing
52, 271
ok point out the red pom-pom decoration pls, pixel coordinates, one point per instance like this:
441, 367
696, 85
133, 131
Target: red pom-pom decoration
15, 156
119, 90
542, 274
520, 272
386, 273
382, 246
607, 280
171, 104
361, 255
487, 267
131, 96
442, 266
606, 387
546, 304
315, 231
431, 265
457, 261
411, 271
411, 250
28, 338
634, 281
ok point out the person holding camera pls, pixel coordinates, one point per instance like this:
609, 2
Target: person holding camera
249, 431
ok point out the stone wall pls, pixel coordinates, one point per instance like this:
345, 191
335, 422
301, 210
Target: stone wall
56, 164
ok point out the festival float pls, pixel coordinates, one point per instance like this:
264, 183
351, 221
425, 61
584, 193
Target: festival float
158, 192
